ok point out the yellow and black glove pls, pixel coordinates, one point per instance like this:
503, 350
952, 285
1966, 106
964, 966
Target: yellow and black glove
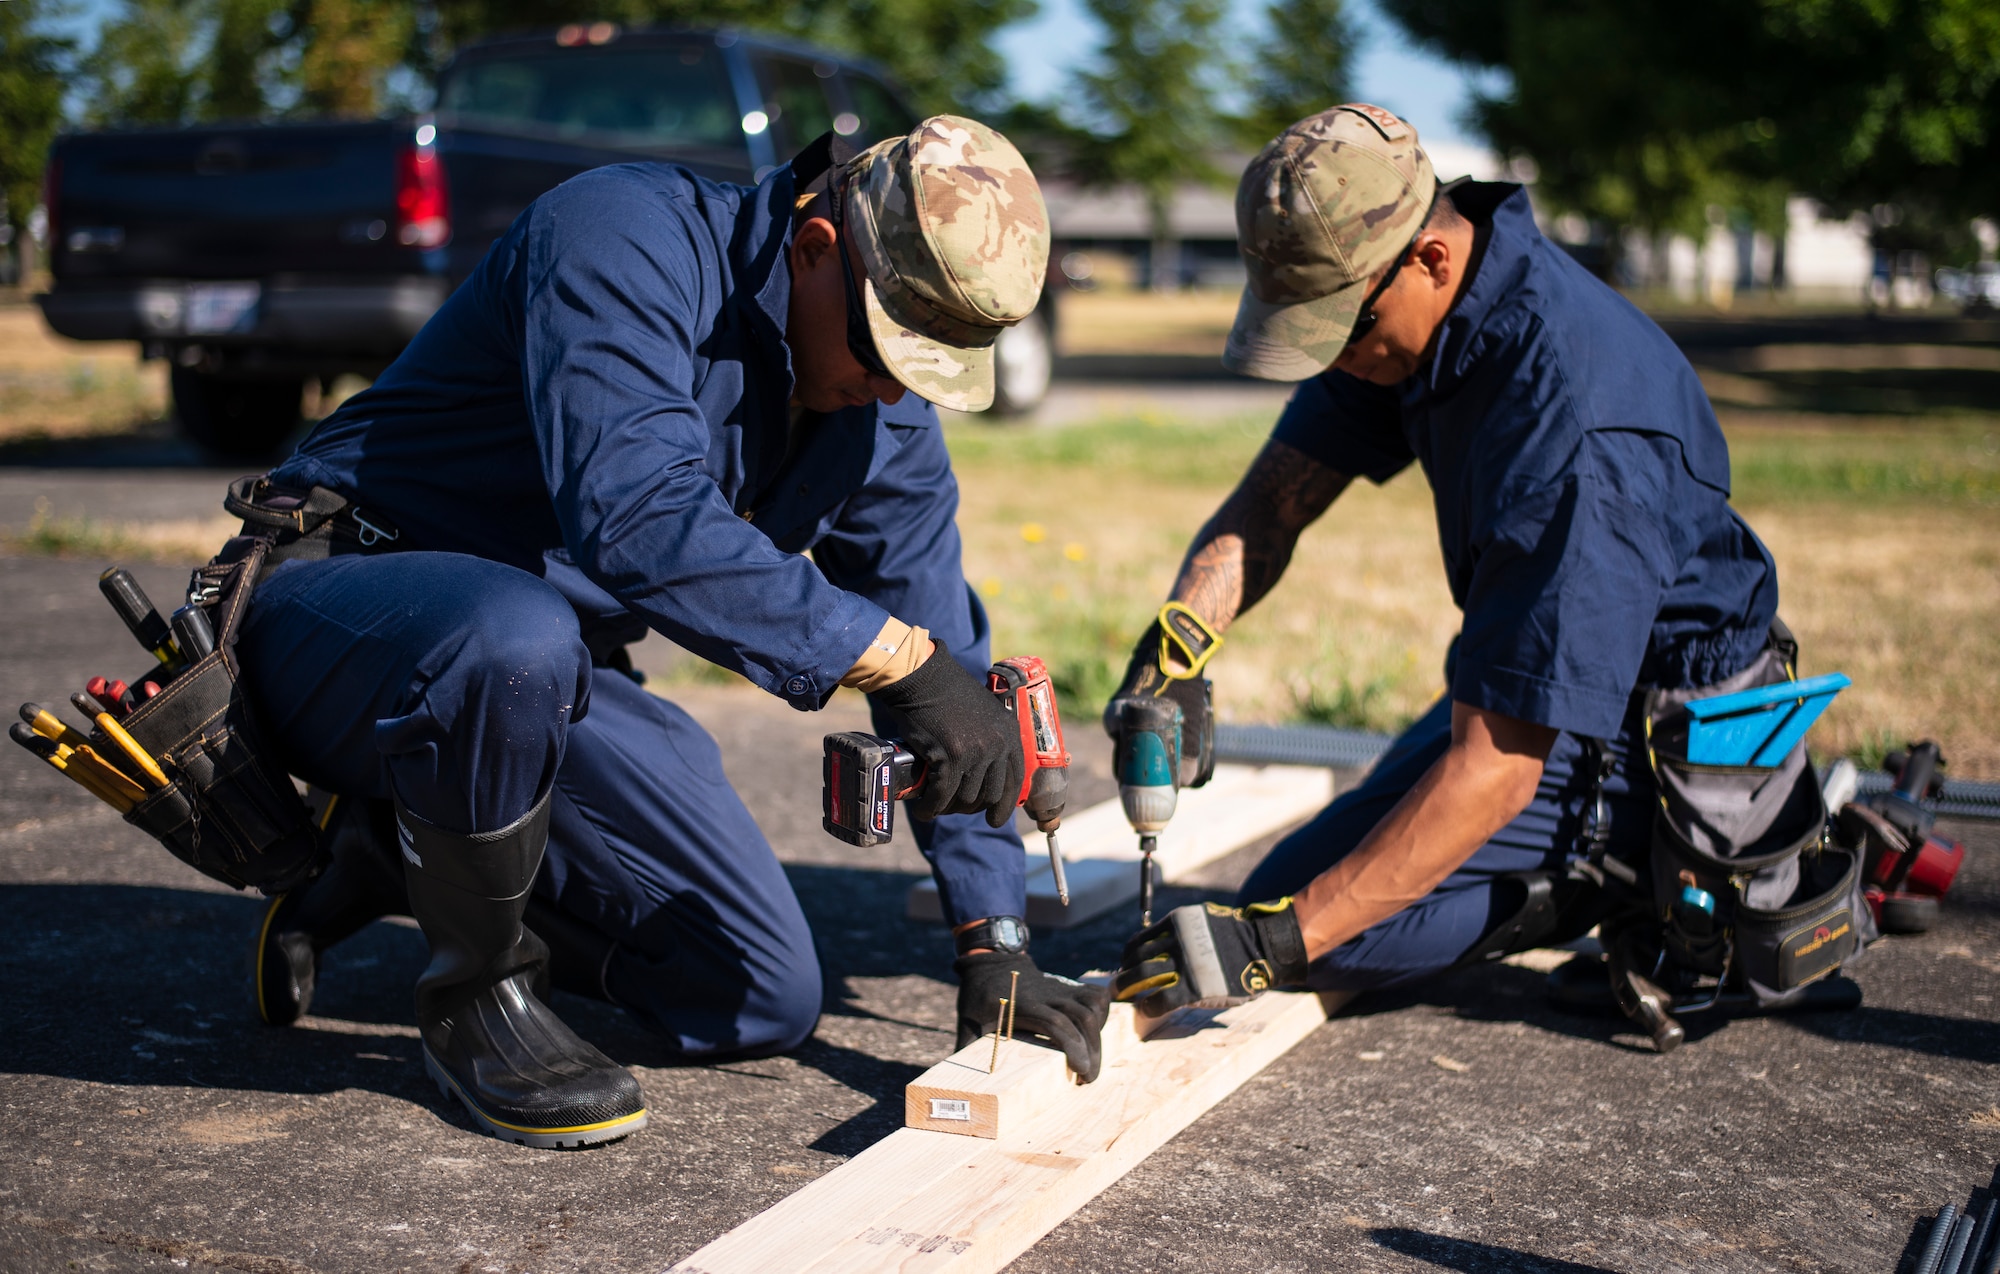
1211, 956
1168, 663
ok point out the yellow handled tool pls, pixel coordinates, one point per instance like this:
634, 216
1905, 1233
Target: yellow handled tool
67, 761
118, 735
50, 726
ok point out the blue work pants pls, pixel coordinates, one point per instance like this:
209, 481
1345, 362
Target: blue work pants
463, 688
1436, 931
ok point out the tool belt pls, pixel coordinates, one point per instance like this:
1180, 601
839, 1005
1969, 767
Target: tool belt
1740, 893
305, 526
229, 810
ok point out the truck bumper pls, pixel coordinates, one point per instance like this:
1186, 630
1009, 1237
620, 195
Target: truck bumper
375, 316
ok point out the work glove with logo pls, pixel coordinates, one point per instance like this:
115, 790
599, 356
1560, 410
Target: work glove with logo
1168, 663
970, 745
1067, 1014
1211, 956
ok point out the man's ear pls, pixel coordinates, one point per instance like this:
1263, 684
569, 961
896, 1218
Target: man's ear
1435, 256
812, 243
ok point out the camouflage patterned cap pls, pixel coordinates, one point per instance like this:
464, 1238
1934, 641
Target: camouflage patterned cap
1336, 198
954, 239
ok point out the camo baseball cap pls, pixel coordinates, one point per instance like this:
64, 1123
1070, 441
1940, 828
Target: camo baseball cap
1336, 198
954, 240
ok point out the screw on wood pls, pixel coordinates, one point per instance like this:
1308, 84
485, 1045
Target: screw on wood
1013, 999
998, 1022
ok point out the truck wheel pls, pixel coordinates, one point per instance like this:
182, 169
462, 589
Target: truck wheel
236, 419
1023, 359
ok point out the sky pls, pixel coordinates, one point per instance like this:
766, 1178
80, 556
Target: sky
1429, 92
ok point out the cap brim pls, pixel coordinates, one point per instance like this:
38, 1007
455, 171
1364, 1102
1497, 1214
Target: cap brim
1295, 341
948, 375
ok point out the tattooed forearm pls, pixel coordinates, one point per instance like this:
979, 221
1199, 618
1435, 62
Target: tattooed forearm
1245, 547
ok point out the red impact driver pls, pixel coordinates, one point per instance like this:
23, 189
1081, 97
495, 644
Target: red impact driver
867, 775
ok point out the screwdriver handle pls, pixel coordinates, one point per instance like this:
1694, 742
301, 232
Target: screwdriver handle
138, 612
193, 632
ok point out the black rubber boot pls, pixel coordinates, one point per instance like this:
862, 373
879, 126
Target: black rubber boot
361, 884
489, 1040
579, 956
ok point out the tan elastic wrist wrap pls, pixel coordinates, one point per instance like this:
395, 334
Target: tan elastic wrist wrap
892, 656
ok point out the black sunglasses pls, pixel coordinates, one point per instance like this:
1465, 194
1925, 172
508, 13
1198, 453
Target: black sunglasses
1369, 318
860, 340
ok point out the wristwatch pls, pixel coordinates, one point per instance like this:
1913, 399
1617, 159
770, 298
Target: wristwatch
996, 933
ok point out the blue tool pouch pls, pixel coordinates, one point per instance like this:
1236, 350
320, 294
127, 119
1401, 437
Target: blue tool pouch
1748, 893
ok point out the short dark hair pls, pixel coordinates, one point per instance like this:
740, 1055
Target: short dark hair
818, 204
1445, 214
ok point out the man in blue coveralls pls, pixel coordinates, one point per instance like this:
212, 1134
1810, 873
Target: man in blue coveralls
1581, 486
654, 395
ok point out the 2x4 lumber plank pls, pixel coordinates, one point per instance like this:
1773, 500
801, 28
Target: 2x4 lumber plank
918, 1202
960, 1095
1238, 805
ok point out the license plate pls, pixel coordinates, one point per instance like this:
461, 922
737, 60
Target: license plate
215, 309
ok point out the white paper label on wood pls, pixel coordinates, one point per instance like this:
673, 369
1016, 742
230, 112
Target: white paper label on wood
951, 1108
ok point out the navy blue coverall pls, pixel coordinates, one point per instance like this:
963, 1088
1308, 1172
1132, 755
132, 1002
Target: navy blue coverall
593, 436
1581, 484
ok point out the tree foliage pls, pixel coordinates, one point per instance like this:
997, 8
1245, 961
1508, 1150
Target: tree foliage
1648, 113
1302, 65
32, 64
1145, 113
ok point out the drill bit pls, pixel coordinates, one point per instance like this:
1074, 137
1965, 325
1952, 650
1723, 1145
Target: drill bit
1147, 844
1056, 866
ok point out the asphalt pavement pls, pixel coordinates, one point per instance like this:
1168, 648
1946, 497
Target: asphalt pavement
147, 1121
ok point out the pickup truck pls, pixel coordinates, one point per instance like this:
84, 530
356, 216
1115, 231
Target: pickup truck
258, 258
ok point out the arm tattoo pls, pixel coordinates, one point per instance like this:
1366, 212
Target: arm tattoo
1245, 547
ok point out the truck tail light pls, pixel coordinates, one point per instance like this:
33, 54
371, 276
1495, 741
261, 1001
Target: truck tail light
423, 211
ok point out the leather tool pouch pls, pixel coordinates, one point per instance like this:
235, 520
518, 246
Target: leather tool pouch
1786, 904
229, 810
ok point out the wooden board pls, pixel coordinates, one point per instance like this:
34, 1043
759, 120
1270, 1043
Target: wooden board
984, 1091
921, 1202
1238, 805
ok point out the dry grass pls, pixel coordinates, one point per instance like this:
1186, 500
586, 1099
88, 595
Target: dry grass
191, 540
1129, 322
1073, 537
56, 388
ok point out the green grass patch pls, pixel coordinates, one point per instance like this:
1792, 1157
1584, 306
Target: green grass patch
1129, 449
1955, 462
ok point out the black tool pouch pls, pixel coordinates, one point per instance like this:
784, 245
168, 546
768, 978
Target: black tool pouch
229, 810
1785, 902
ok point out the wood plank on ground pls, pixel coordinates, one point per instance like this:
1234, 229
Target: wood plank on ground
922, 1202
1238, 805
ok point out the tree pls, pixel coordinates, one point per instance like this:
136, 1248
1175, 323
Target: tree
1301, 66
1646, 114
32, 64
1148, 108
347, 50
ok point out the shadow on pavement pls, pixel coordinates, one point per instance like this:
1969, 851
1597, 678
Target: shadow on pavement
1474, 1258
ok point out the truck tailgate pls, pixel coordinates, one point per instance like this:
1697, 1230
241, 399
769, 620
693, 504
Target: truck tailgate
230, 203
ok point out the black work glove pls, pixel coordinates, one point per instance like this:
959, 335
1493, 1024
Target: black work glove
1145, 679
970, 745
1211, 956
1067, 1014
